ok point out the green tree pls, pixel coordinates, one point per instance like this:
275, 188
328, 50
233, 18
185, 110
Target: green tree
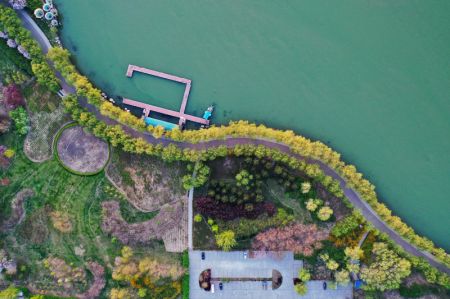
301, 288
304, 275
9, 293
342, 277
324, 213
354, 253
198, 218
19, 115
226, 240
244, 178
386, 271
305, 187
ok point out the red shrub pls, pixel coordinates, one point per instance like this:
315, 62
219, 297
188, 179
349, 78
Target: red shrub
218, 210
13, 96
299, 238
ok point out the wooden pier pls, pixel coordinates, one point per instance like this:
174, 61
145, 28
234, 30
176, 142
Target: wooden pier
148, 108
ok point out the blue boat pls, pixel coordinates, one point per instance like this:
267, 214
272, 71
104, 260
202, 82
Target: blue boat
208, 113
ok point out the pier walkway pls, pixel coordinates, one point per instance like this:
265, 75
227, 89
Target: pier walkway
148, 108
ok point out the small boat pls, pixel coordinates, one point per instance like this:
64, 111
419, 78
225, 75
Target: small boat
208, 113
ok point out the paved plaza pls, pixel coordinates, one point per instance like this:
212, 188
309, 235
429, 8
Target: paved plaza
257, 265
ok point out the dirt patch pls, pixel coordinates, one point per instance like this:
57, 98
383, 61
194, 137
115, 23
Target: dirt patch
17, 209
147, 182
170, 225
43, 126
81, 151
35, 227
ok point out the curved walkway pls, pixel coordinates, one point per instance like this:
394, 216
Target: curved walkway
351, 194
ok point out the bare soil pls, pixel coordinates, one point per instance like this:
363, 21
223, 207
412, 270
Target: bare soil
17, 209
147, 182
81, 151
170, 225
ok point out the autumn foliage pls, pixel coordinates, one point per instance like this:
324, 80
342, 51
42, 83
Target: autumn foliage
61, 221
12, 96
299, 238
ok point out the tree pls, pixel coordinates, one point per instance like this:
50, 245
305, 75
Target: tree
304, 275
20, 118
342, 277
386, 271
18, 4
198, 218
9, 293
13, 97
226, 240
45, 76
354, 253
324, 213
243, 178
301, 288
9, 153
329, 262
312, 204
121, 293
345, 226
299, 238
305, 187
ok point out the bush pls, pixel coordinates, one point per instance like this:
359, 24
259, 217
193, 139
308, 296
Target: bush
324, 213
13, 97
245, 228
20, 119
346, 225
185, 259
9, 153
226, 240
185, 286
198, 218
415, 290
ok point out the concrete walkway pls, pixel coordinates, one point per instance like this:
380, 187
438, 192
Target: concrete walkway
351, 194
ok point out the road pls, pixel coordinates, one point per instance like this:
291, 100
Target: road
355, 198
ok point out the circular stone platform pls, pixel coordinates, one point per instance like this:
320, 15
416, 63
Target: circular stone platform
81, 152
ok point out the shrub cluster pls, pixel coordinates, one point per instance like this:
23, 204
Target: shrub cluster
245, 228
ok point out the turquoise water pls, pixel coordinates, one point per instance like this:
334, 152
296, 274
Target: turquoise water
370, 78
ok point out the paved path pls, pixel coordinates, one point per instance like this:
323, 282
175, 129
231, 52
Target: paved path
351, 194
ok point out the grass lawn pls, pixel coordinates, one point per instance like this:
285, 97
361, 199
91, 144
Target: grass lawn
203, 237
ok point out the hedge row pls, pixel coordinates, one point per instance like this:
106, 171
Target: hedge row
11, 23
